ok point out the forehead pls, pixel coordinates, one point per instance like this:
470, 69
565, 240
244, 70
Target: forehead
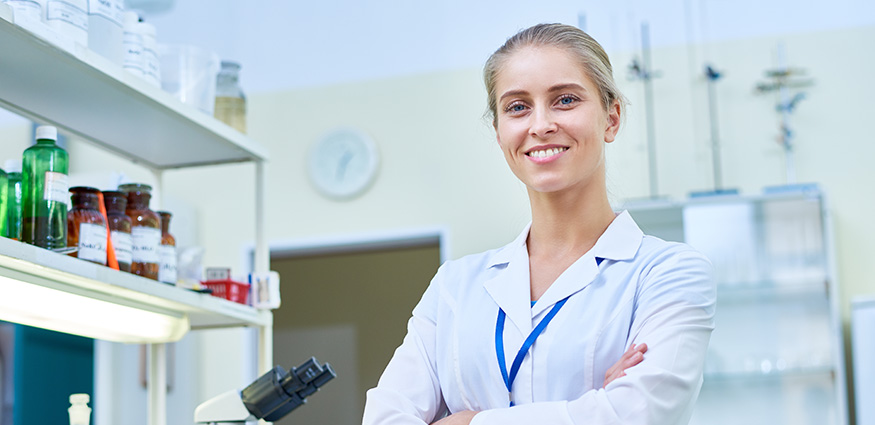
538, 67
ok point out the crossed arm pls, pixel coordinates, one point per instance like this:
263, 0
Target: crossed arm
632, 356
674, 314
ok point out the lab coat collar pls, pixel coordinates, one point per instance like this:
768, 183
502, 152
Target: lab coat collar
510, 287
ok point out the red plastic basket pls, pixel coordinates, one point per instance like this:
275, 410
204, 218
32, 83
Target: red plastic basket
229, 290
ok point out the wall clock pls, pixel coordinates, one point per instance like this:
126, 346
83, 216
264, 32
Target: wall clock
343, 163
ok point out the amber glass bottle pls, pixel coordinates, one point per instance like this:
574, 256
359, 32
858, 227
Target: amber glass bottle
167, 251
86, 228
145, 230
119, 227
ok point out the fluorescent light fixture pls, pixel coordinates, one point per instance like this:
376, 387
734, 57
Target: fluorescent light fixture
60, 308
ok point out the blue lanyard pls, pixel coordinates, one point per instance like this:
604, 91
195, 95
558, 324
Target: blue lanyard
518, 361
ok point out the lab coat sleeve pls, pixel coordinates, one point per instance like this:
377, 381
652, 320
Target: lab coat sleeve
674, 315
408, 392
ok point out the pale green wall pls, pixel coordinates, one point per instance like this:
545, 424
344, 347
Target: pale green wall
441, 166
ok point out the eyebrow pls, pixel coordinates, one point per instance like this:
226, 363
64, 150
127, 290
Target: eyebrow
558, 87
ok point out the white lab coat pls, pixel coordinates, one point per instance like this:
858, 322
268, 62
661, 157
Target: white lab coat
645, 290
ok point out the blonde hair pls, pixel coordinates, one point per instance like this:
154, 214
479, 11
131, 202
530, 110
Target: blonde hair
589, 53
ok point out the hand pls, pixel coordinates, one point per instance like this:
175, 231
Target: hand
632, 356
461, 418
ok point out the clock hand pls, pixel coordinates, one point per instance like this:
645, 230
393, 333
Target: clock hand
341, 166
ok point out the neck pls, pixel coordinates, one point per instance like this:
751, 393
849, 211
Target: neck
568, 222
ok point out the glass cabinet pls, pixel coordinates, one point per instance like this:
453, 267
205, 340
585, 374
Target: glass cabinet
776, 354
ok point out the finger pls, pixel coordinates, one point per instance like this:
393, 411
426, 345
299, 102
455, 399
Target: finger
623, 359
633, 360
613, 377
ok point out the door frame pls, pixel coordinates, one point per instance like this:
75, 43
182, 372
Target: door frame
352, 242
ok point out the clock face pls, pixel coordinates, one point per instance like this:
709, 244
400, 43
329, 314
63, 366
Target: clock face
343, 163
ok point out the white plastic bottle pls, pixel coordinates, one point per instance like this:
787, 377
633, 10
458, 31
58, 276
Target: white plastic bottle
26, 10
105, 29
133, 45
151, 66
80, 413
70, 18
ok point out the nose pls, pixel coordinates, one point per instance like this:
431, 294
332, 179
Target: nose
543, 123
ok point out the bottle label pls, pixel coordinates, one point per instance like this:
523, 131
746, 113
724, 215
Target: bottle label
56, 187
109, 9
151, 66
71, 11
121, 243
133, 45
144, 244
167, 261
26, 10
92, 242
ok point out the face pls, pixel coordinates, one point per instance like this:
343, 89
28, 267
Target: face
550, 122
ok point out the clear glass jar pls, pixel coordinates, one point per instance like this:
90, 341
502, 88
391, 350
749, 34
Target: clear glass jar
86, 228
145, 230
167, 251
230, 100
119, 227
45, 192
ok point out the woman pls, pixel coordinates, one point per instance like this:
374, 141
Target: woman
523, 334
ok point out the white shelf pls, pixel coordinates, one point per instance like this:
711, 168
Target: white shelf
770, 290
42, 267
773, 374
85, 94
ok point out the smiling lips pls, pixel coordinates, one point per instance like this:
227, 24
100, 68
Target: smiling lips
544, 155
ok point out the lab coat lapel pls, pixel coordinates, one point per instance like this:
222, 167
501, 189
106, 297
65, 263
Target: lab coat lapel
576, 277
509, 285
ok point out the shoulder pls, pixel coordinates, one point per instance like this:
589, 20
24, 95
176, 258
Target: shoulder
467, 267
655, 252
673, 268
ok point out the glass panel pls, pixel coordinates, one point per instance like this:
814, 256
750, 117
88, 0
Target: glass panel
727, 234
803, 399
793, 245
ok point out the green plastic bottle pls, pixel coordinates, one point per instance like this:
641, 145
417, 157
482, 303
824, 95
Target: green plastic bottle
13, 198
45, 192
4, 203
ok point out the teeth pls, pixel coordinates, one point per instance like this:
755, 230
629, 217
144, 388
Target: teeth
546, 152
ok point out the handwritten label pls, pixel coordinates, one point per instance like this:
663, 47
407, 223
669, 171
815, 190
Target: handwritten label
56, 187
92, 242
121, 243
167, 264
145, 242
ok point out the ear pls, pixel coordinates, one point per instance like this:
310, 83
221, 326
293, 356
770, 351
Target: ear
613, 122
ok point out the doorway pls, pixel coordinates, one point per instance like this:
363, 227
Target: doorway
348, 305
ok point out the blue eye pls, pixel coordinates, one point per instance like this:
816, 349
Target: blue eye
567, 100
515, 107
